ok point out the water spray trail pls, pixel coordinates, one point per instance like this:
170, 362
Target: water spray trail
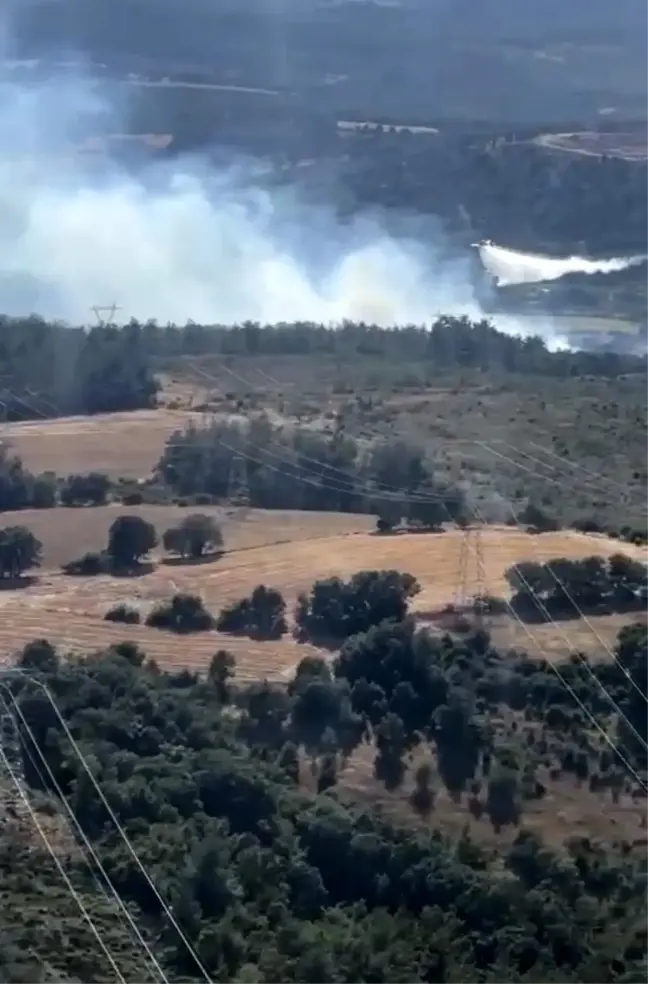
509, 266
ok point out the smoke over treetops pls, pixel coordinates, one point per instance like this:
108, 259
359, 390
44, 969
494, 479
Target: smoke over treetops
185, 240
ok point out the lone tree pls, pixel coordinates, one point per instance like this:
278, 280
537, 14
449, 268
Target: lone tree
196, 535
222, 668
129, 539
19, 550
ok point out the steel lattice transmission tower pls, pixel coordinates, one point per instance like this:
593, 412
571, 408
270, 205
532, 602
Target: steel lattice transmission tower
471, 579
105, 313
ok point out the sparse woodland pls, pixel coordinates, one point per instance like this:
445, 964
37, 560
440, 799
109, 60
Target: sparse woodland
272, 882
388, 437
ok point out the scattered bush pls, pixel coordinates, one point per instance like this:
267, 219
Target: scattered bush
183, 614
261, 616
132, 499
19, 489
594, 583
537, 520
336, 609
123, 613
85, 490
194, 536
89, 565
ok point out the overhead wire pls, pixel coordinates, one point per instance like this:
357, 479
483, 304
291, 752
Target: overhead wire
585, 484
548, 616
377, 490
4, 760
385, 492
527, 631
582, 615
576, 465
565, 683
118, 826
53, 782
542, 607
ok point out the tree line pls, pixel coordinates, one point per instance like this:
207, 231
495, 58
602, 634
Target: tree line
130, 540
270, 467
564, 587
49, 368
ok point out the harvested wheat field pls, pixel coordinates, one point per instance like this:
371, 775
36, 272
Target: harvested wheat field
69, 533
283, 550
119, 444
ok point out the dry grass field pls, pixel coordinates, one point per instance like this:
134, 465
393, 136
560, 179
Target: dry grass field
286, 550
569, 808
119, 444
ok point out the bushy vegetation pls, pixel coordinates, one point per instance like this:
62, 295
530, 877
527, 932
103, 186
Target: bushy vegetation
123, 613
454, 343
261, 616
335, 609
90, 564
194, 536
567, 587
51, 368
300, 469
271, 882
85, 490
130, 538
19, 489
183, 613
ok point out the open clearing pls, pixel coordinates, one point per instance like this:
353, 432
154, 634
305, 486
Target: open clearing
287, 551
569, 809
119, 444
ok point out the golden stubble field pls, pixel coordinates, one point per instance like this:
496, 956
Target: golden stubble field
285, 550
119, 444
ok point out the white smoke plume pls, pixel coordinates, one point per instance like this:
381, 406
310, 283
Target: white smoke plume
509, 267
186, 240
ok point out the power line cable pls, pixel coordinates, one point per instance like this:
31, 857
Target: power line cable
4, 760
566, 683
105, 879
541, 606
122, 833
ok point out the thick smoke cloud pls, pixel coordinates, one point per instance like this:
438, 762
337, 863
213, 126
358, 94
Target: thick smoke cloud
184, 240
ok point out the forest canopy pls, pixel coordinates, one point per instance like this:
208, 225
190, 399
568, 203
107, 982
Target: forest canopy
272, 882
